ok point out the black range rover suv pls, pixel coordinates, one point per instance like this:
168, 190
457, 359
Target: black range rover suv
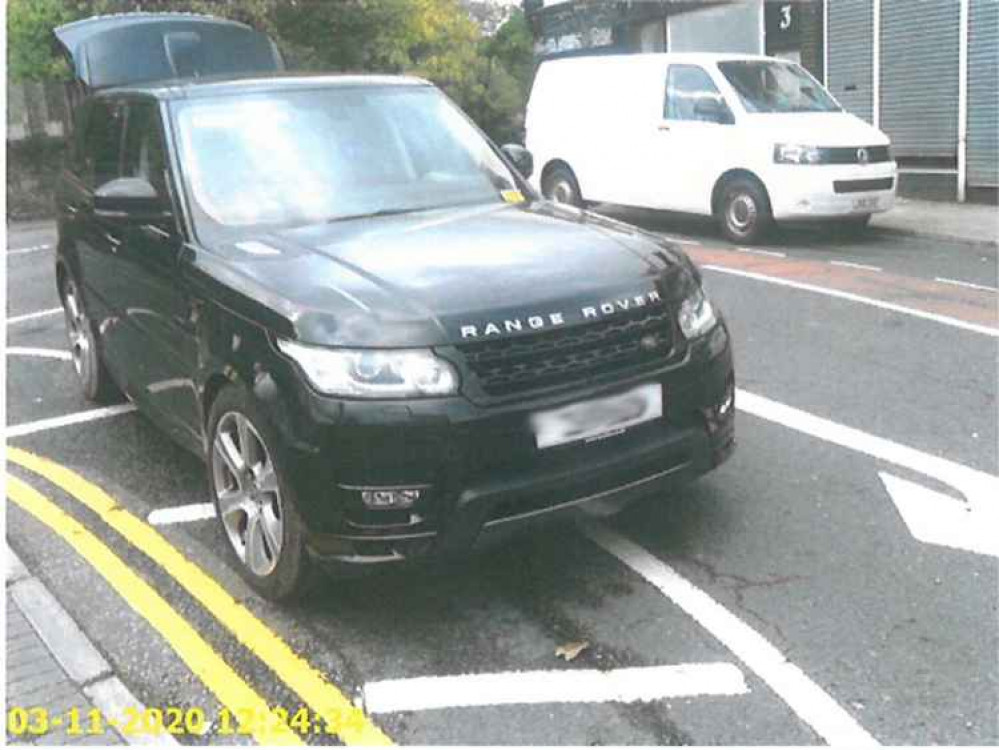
346, 299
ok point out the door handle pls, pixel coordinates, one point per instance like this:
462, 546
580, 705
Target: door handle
113, 241
663, 126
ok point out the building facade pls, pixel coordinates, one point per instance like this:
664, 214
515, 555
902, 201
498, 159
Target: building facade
924, 71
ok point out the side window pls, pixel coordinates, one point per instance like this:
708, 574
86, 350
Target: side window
144, 155
686, 85
102, 143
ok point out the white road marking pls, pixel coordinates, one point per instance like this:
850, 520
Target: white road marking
25, 250
849, 264
41, 425
32, 316
979, 488
936, 518
946, 320
181, 514
681, 240
753, 251
968, 284
563, 686
810, 702
32, 351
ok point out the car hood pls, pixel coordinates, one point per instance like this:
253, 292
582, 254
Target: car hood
817, 129
441, 277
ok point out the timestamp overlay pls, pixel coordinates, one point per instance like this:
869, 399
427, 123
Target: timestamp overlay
833, 582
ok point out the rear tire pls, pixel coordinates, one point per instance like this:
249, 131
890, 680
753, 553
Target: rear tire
93, 375
560, 185
743, 210
256, 506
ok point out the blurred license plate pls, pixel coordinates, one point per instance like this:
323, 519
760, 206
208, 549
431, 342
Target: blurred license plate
599, 418
859, 204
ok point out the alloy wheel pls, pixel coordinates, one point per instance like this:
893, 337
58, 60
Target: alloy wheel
247, 493
78, 331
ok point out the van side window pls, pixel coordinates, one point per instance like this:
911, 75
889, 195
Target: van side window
686, 85
102, 143
144, 155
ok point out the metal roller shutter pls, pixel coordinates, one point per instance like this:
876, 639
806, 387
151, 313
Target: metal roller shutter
983, 93
850, 42
919, 76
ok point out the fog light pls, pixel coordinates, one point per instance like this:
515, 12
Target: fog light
390, 498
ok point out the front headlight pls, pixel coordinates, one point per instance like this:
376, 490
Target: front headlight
696, 317
790, 153
373, 373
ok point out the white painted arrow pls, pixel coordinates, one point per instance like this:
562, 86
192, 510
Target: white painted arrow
931, 516
936, 518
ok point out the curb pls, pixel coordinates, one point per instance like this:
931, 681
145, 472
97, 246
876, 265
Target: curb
72, 649
900, 232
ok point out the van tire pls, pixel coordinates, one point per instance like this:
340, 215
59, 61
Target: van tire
743, 210
560, 185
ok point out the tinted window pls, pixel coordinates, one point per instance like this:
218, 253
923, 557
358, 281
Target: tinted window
102, 143
144, 155
686, 85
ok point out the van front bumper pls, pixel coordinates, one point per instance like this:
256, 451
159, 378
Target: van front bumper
801, 192
479, 471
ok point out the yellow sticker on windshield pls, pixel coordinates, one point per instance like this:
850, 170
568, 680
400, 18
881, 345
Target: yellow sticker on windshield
512, 196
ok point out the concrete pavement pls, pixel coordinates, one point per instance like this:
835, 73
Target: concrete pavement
965, 222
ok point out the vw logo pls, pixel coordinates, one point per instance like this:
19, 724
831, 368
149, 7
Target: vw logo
862, 156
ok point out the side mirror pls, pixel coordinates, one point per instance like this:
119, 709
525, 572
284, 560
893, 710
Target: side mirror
521, 158
713, 110
131, 200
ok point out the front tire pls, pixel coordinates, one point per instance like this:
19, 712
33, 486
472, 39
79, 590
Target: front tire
256, 506
560, 185
94, 378
744, 211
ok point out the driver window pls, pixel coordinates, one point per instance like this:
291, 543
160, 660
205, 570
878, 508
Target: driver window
686, 85
144, 155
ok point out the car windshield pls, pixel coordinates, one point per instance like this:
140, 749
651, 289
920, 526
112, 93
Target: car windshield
768, 86
327, 154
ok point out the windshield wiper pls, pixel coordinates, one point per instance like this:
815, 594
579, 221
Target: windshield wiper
373, 214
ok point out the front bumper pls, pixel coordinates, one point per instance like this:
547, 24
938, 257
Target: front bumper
481, 472
801, 192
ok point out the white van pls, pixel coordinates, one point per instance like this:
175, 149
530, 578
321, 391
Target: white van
747, 139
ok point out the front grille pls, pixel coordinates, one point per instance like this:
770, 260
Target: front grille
861, 186
571, 355
849, 155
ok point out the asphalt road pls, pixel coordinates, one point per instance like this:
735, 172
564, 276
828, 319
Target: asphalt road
789, 581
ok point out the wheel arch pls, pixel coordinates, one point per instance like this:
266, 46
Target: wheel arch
551, 165
731, 174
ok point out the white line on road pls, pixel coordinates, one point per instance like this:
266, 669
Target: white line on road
564, 686
769, 253
32, 316
978, 487
25, 250
810, 702
681, 240
968, 284
32, 351
946, 320
41, 425
850, 264
181, 514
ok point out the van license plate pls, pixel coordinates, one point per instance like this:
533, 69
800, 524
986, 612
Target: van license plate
862, 204
599, 418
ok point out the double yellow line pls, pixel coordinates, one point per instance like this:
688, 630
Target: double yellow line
322, 697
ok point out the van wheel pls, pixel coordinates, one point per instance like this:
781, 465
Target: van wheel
744, 210
87, 362
560, 186
256, 506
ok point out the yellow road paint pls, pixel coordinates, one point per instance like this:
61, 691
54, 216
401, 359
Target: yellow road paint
349, 722
231, 690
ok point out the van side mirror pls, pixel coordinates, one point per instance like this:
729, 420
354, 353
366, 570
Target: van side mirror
713, 110
521, 158
130, 200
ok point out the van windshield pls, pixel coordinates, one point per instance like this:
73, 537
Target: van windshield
299, 157
769, 86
